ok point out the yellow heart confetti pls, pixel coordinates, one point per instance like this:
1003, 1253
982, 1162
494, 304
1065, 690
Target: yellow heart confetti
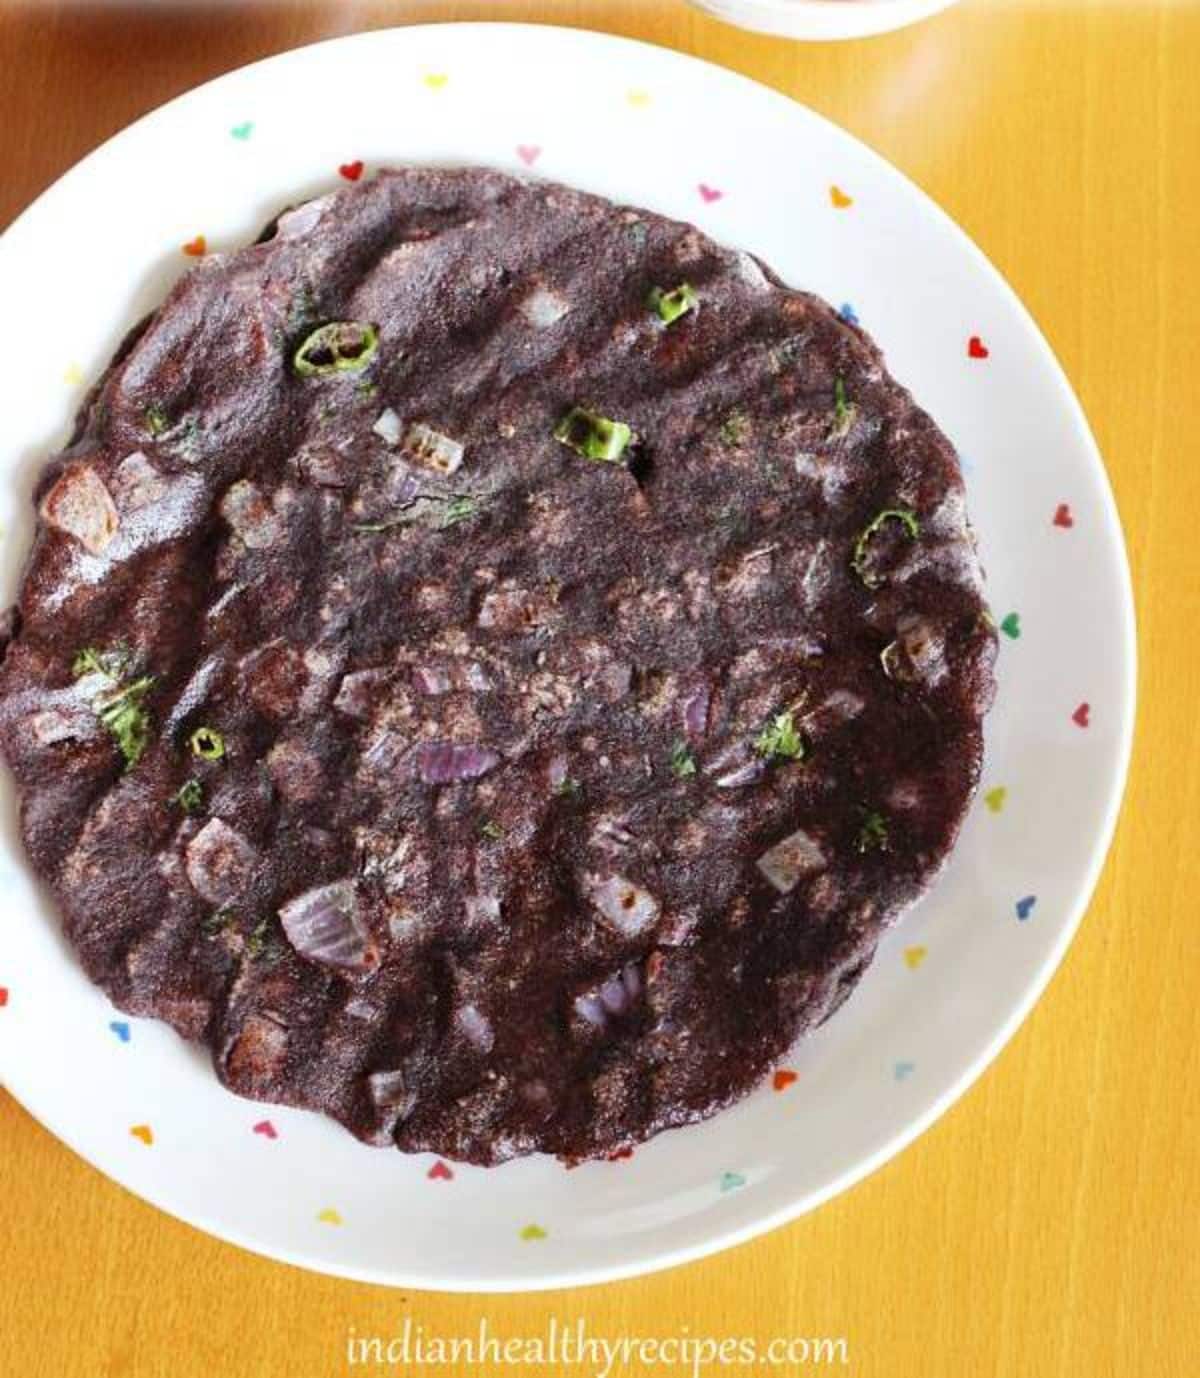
329, 1216
914, 956
995, 798
143, 1132
435, 80
72, 375
533, 1232
637, 97
839, 198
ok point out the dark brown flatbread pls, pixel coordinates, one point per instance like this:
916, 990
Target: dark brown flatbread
508, 848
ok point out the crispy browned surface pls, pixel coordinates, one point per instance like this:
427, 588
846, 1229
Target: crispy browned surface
558, 630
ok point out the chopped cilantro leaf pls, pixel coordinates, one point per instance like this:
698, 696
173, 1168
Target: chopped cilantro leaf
458, 510
119, 707
873, 835
843, 411
256, 943
735, 428
683, 763
780, 740
157, 420
218, 921
189, 796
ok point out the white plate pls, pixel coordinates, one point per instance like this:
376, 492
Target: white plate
823, 18
947, 989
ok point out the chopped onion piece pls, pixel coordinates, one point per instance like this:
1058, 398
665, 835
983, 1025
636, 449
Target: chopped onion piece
357, 692
388, 427
475, 677
612, 995
918, 652
389, 1091
324, 924
220, 862
616, 679
626, 907
482, 908
543, 307
695, 713
743, 775
442, 763
80, 505
790, 860
475, 1028
256, 1056
433, 450
431, 680
246, 510
591, 1011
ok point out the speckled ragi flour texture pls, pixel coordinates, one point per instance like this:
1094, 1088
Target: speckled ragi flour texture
481, 793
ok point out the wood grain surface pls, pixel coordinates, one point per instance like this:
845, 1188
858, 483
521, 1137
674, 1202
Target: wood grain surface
1047, 1226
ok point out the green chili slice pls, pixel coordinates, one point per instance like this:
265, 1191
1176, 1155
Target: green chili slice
671, 305
337, 347
593, 436
858, 561
207, 743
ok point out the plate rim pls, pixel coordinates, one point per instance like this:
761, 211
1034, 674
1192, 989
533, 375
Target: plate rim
720, 1238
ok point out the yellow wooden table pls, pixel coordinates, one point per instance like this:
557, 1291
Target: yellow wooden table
1048, 1225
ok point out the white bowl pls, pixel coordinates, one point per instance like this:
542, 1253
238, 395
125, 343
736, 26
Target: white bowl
816, 19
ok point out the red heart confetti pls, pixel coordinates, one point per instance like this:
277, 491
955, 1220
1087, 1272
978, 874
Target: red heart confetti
196, 248
351, 171
976, 349
1063, 517
783, 1078
3, 996
440, 1172
1082, 715
266, 1129
620, 1155
709, 194
528, 153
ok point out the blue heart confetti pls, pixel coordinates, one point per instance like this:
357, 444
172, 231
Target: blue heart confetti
903, 1070
1025, 907
731, 1181
848, 313
121, 1029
